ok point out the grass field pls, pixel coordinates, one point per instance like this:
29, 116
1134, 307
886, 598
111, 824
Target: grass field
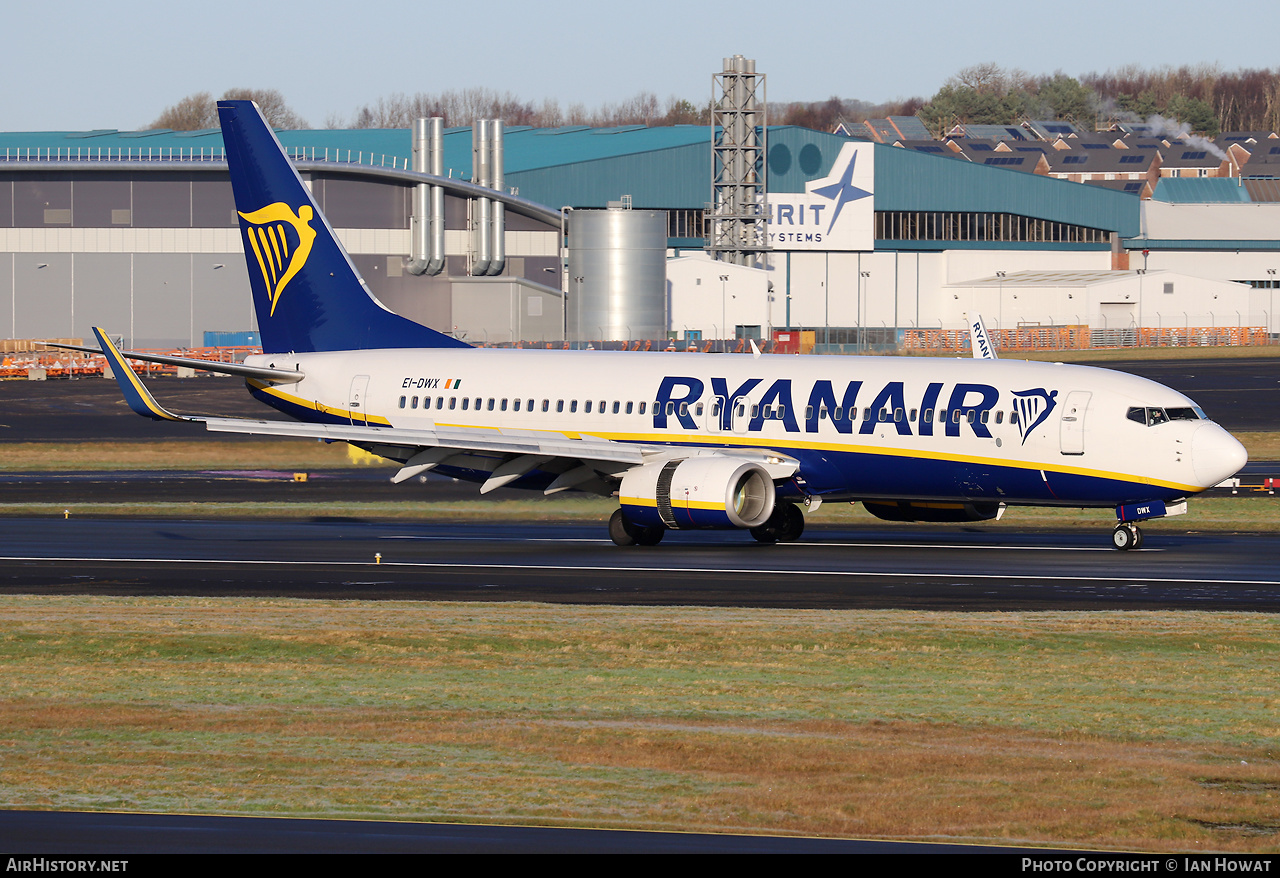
1150, 731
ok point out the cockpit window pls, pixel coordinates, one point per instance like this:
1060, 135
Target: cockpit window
1153, 416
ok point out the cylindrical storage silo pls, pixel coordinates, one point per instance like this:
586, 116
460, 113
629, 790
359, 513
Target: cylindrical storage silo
617, 275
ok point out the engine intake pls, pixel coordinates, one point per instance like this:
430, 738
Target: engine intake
698, 492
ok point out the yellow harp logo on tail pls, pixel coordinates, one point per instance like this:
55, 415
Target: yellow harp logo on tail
282, 242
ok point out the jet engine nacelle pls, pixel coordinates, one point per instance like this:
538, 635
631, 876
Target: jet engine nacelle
698, 492
919, 510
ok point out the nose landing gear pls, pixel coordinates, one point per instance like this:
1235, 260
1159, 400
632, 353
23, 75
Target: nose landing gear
1127, 536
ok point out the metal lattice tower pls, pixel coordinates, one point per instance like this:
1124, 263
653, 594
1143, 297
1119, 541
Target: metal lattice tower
736, 221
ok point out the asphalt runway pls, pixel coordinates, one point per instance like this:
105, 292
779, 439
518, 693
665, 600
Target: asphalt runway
100, 834
942, 567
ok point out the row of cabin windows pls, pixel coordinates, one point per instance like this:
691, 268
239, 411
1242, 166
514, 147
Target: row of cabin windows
768, 412
515, 405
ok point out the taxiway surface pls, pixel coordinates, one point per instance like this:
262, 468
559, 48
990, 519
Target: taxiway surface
874, 567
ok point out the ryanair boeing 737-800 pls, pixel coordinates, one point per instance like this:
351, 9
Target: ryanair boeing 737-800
683, 440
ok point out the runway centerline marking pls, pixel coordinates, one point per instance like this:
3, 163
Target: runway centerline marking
600, 569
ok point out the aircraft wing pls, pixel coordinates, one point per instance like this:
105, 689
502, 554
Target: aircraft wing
517, 452
578, 461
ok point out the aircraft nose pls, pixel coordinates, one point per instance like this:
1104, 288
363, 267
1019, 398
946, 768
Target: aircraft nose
1215, 455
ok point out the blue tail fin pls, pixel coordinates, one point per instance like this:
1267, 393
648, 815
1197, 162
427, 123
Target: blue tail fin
307, 294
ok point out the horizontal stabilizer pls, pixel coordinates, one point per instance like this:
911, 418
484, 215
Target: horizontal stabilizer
279, 376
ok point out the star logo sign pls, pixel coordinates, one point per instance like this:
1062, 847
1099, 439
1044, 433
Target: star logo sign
842, 192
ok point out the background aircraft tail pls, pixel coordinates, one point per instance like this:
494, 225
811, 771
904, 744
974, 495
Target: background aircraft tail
307, 294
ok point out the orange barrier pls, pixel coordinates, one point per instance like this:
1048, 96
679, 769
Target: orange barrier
1066, 338
1023, 338
58, 363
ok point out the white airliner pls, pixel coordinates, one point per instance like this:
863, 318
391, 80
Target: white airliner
683, 440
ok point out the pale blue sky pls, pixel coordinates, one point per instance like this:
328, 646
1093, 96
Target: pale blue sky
78, 65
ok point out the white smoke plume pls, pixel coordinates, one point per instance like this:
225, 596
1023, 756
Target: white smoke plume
1172, 129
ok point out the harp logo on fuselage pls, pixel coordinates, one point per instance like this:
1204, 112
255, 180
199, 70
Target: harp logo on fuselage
281, 240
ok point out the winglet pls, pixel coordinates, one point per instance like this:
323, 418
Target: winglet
982, 347
138, 397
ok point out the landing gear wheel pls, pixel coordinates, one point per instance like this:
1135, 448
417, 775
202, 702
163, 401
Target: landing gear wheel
650, 536
785, 525
621, 530
1126, 537
625, 533
792, 525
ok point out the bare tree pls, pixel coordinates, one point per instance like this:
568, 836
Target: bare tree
192, 113
271, 103
199, 111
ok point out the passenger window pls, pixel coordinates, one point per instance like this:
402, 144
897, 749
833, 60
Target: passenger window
601, 408
426, 402
515, 405
413, 404
402, 402
586, 406
1000, 417
503, 405
530, 408
546, 405
559, 406
697, 412
755, 411
955, 416
839, 415
629, 405
986, 413
616, 406
573, 406
490, 403
927, 418
912, 417
453, 403
684, 409
866, 414
642, 407
466, 401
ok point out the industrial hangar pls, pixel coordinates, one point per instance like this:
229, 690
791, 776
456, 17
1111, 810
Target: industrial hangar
537, 235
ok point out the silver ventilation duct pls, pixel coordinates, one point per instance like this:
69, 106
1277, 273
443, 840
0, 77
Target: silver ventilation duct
481, 208
497, 229
427, 224
488, 219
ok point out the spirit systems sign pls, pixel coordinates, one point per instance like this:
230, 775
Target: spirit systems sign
834, 213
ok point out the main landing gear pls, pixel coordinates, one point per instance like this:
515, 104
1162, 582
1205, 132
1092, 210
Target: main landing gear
785, 525
623, 532
1126, 536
